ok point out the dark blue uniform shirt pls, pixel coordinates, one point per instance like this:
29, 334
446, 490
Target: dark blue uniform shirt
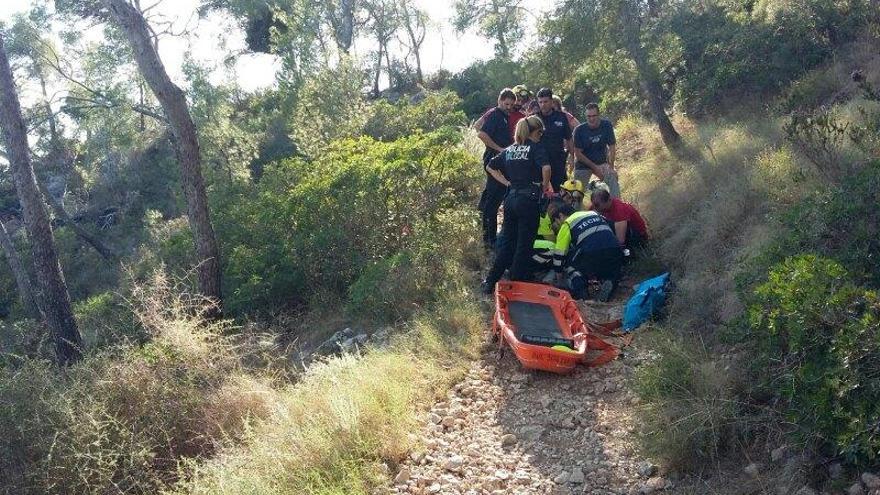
496, 126
521, 163
594, 142
556, 131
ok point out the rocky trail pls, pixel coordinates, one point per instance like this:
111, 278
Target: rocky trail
507, 430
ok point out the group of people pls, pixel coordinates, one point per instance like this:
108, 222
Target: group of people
539, 161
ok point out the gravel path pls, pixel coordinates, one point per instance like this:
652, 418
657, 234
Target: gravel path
505, 430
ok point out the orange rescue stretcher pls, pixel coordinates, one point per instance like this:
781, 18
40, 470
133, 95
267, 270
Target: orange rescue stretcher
544, 328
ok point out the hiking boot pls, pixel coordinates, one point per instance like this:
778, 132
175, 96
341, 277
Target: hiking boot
578, 295
605, 291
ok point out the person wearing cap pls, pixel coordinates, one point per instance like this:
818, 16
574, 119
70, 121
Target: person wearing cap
595, 148
524, 169
523, 95
629, 226
557, 136
586, 247
493, 130
572, 193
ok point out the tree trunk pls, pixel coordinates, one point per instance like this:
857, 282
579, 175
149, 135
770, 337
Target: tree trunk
53, 298
648, 79
345, 25
420, 76
50, 115
378, 73
22, 279
173, 102
388, 64
502, 49
415, 29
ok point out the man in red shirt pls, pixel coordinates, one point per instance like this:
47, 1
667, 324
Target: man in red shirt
523, 95
629, 226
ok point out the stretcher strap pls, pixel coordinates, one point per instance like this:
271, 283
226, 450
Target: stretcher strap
609, 352
607, 328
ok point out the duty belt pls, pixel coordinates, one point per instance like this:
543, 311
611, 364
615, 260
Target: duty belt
532, 188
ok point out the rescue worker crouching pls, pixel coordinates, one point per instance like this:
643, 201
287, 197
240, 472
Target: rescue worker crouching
524, 169
629, 226
545, 243
586, 247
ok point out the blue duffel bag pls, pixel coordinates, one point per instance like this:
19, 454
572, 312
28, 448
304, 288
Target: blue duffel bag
648, 299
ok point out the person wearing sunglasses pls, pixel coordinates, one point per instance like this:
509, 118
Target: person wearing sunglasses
595, 148
523, 97
524, 169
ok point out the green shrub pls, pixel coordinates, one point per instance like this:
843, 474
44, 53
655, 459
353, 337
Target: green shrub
106, 319
330, 106
478, 85
840, 222
821, 136
810, 91
324, 223
395, 287
820, 337
732, 52
389, 121
613, 78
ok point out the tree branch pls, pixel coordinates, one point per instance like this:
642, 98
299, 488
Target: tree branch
107, 104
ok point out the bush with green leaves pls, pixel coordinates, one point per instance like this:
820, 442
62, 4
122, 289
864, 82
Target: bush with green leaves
324, 223
819, 335
330, 106
612, 77
732, 52
429, 268
842, 222
479, 84
820, 136
389, 121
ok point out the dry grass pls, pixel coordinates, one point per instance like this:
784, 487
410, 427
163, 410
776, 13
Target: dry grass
689, 414
332, 432
122, 420
712, 209
145, 419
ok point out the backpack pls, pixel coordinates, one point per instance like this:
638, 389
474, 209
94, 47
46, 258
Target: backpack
648, 299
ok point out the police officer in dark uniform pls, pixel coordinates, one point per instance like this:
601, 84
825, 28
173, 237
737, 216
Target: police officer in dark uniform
492, 128
525, 169
557, 136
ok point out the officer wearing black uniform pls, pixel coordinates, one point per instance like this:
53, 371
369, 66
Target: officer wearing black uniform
557, 136
524, 168
493, 129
